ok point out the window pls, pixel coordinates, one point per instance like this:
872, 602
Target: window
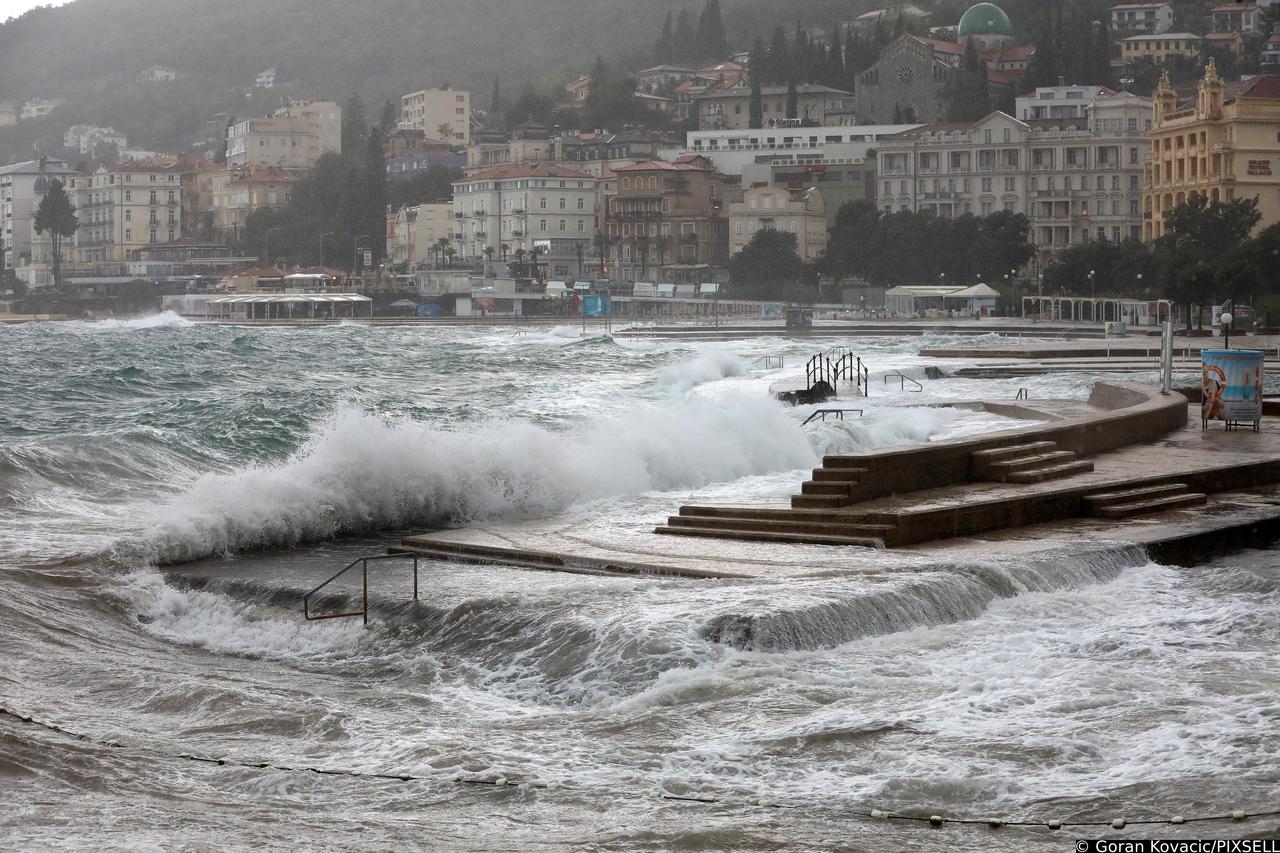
1008, 185
542, 203
986, 185
562, 228
582, 225
1007, 135
986, 137
562, 202
581, 204
542, 225
1102, 182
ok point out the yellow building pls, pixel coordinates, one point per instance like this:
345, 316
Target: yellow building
1160, 46
801, 212
1225, 146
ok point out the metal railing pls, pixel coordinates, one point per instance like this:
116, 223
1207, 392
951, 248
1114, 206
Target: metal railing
770, 362
1022, 394
821, 414
363, 562
903, 379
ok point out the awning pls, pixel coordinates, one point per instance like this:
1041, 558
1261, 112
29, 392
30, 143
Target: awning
709, 287
978, 291
290, 297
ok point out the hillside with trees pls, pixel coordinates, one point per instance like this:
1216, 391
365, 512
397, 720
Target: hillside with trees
90, 52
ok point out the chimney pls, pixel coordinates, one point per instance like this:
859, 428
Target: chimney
1062, 81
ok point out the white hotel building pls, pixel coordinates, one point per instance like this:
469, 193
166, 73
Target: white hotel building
520, 206
1075, 179
730, 151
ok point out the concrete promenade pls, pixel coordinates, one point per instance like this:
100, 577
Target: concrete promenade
1153, 479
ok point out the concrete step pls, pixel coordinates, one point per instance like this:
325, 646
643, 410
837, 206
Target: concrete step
846, 463
827, 487
842, 474
1143, 507
1022, 463
1103, 499
819, 501
751, 512
1051, 472
762, 536
997, 454
800, 525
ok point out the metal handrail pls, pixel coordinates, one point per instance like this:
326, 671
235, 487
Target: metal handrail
364, 608
1022, 394
771, 362
903, 380
821, 414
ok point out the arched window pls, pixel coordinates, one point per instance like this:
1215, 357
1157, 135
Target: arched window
626, 183
653, 183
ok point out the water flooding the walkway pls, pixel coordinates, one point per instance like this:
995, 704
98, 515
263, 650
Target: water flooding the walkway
1087, 687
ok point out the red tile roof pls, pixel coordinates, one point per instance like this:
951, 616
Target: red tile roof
664, 166
1265, 86
520, 170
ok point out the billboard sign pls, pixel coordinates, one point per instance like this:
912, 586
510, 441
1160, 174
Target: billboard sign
1231, 385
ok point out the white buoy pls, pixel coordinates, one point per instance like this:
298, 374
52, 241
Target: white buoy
1054, 824
1118, 823
1238, 814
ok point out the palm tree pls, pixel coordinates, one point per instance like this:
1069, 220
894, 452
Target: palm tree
449, 252
488, 254
519, 255
505, 249
603, 241
440, 246
533, 260
663, 245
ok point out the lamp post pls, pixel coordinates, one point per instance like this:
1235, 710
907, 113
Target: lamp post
1093, 308
1226, 327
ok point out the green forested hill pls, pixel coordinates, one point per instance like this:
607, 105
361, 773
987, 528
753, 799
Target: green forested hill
90, 51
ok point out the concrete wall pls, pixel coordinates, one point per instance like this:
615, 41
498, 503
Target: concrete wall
1127, 413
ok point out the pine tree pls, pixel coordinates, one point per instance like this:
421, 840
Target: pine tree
389, 118
56, 216
793, 100
968, 98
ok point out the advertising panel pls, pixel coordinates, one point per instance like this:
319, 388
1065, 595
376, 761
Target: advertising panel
1231, 385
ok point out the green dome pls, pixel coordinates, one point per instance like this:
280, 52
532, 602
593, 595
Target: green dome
985, 19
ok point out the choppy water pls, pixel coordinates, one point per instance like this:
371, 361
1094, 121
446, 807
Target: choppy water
1089, 687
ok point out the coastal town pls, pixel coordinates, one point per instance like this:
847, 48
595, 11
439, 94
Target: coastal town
753, 174
691, 425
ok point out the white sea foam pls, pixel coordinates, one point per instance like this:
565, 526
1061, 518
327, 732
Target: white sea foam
163, 320
362, 473
707, 367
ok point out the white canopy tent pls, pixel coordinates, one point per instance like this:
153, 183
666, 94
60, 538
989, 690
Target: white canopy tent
277, 306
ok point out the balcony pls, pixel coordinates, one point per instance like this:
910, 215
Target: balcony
480, 235
458, 235
457, 214
479, 213
940, 194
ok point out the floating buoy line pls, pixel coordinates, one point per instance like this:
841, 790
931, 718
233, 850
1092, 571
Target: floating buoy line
933, 820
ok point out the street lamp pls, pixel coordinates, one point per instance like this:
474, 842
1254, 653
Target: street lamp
1093, 308
1226, 327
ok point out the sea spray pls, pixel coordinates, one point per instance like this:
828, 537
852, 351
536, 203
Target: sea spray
360, 473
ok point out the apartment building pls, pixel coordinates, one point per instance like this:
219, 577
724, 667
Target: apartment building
429, 110
799, 212
1074, 179
126, 207
1224, 146
413, 232
325, 117
1237, 18
289, 142
522, 206
1138, 18
1160, 47
667, 216
85, 138
236, 193
816, 105
1057, 102
22, 186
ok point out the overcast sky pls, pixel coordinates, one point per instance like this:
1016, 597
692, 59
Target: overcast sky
14, 8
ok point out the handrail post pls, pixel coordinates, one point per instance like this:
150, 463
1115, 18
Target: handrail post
415, 578
366, 590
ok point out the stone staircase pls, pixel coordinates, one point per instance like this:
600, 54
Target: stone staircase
815, 527
830, 488
1142, 501
1034, 462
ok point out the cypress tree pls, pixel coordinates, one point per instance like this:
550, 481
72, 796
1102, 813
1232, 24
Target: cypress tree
779, 57
716, 43
793, 100
685, 43
756, 111
664, 53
